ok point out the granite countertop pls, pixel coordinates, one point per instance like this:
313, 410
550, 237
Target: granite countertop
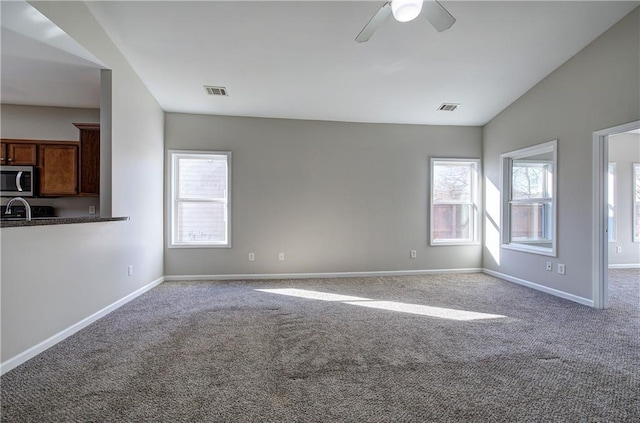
43, 221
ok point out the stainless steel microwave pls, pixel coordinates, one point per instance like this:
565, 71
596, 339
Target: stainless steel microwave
18, 181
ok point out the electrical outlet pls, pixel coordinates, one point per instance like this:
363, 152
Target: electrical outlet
549, 266
413, 254
92, 209
561, 269
252, 257
281, 256
619, 249
130, 270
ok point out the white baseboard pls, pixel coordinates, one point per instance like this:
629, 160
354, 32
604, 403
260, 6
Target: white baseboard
255, 276
17, 360
557, 293
625, 266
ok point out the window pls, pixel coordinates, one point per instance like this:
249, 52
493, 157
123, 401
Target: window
611, 203
200, 199
454, 201
529, 199
636, 202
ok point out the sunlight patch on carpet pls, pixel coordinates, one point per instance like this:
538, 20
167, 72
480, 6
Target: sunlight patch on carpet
439, 312
313, 295
442, 313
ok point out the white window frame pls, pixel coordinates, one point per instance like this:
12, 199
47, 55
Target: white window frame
474, 203
612, 191
636, 202
506, 160
173, 156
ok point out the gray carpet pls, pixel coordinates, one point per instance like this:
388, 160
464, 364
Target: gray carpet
224, 352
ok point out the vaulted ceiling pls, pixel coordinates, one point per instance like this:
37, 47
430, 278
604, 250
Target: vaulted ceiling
298, 59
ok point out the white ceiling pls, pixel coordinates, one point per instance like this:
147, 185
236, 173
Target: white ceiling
298, 59
41, 65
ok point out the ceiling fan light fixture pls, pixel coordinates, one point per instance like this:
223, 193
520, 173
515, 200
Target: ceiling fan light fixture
406, 10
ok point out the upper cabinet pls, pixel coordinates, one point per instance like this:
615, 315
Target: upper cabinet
65, 168
18, 154
89, 159
58, 170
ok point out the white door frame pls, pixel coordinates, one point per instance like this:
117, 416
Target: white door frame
600, 239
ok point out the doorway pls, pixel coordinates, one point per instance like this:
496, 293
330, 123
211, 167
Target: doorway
601, 211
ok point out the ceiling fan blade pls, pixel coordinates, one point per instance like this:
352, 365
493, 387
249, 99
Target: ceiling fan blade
439, 17
381, 15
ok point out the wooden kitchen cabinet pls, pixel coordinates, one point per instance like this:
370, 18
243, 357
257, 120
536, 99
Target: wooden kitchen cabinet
89, 159
18, 154
65, 168
58, 165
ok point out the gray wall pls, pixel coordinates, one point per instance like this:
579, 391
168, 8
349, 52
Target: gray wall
49, 123
55, 276
334, 197
624, 151
598, 88
44, 123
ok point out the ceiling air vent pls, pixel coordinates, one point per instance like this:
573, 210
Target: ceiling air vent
448, 107
211, 90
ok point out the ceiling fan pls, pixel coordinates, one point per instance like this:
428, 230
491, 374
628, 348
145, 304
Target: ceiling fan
405, 11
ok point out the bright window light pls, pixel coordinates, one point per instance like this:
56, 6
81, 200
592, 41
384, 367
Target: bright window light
529, 199
636, 202
454, 201
200, 199
611, 203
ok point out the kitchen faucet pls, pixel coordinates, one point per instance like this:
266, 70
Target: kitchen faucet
27, 207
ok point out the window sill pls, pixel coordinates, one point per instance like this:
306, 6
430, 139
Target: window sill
179, 246
452, 243
530, 249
